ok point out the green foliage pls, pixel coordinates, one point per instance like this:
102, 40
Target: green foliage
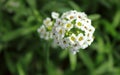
22, 52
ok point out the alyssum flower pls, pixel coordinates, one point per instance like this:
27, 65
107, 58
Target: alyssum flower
73, 30
45, 30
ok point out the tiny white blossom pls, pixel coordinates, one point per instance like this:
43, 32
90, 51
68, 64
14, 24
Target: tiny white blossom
90, 40
85, 45
55, 15
72, 39
45, 30
58, 22
42, 31
80, 38
46, 35
78, 24
68, 26
91, 29
74, 51
65, 43
47, 22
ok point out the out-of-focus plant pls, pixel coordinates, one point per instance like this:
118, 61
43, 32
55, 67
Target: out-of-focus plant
22, 52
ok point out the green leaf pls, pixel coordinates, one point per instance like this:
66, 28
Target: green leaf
53, 70
32, 3
20, 69
63, 54
10, 64
1, 47
102, 69
27, 58
94, 16
101, 45
87, 60
109, 27
17, 33
106, 3
55, 6
116, 19
74, 5
110, 62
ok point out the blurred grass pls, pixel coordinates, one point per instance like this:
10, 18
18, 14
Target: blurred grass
22, 52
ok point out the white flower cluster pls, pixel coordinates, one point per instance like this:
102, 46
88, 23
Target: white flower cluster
45, 30
73, 30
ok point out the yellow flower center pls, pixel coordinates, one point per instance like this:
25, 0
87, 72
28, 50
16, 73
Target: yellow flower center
47, 22
73, 38
68, 25
81, 38
60, 31
79, 24
71, 17
88, 34
90, 30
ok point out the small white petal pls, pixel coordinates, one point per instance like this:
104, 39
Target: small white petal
68, 26
47, 22
72, 39
85, 45
55, 15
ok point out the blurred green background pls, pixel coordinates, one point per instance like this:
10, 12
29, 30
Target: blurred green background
22, 52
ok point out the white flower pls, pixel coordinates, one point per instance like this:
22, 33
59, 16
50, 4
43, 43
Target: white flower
50, 35
64, 43
78, 24
71, 16
47, 22
72, 39
56, 40
88, 34
74, 31
74, 51
55, 15
61, 32
58, 22
91, 29
41, 29
75, 48
47, 35
68, 26
88, 21
81, 39
45, 31
81, 15
90, 40
85, 45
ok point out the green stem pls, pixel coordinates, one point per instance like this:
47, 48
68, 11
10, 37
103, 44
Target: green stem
47, 46
47, 54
